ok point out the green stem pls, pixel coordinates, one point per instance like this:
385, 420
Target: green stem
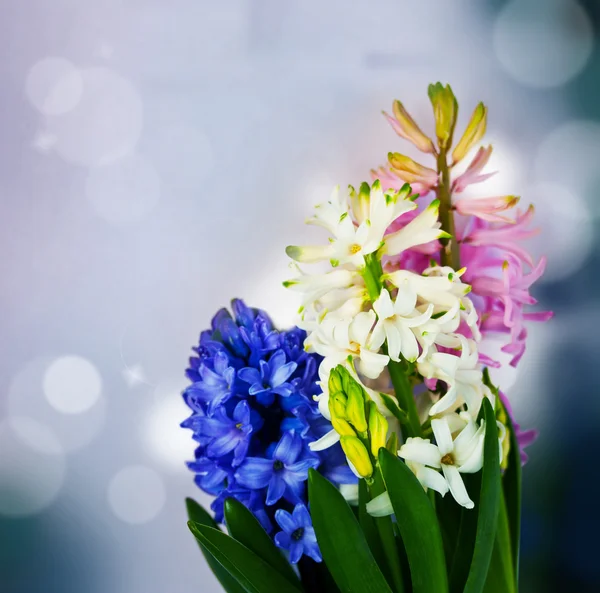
450, 253
404, 395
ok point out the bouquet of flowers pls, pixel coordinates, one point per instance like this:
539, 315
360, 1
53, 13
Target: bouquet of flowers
367, 449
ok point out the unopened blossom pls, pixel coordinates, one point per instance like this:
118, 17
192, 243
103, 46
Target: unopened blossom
406, 127
473, 173
472, 135
487, 208
411, 171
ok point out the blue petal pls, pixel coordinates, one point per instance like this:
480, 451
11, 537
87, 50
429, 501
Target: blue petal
288, 448
277, 360
301, 516
296, 549
211, 427
255, 472
311, 548
222, 445
284, 390
300, 468
244, 315
283, 540
249, 375
241, 414
282, 373
240, 452
276, 488
221, 362
286, 521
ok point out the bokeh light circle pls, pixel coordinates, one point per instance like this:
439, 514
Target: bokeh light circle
543, 44
123, 191
162, 435
26, 397
568, 155
72, 384
54, 86
136, 494
106, 123
32, 466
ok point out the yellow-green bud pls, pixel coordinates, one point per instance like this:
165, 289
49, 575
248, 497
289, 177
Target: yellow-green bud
473, 134
445, 110
355, 408
342, 427
358, 455
337, 405
335, 381
411, 171
378, 428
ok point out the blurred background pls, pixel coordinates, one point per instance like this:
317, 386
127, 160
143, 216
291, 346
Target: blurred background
155, 159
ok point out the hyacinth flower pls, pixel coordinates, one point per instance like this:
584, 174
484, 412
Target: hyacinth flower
380, 398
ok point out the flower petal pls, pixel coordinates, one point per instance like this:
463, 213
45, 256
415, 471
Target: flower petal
457, 486
421, 451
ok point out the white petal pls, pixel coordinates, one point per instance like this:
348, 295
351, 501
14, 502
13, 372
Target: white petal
410, 347
443, 436
473, 462
372, 364
420, 451
457, 486
430, 478
444, 403
350, 493
406, 299
380, 506
394, 341
327, 440
377, 336
383, 305
419, 319
361, 326
310, 253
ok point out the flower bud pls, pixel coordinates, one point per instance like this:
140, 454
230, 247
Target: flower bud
357, 455
405, 126
342, 427
355, 408
335, 381
445, 110
411, 171
378, 428
337, 406
472, 135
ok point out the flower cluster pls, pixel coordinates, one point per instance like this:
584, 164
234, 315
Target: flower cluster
488, 231
408, 296
254, 417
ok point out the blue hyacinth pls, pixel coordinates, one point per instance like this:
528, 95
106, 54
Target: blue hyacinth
253, 417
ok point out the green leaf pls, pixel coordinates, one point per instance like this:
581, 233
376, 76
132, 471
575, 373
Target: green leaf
390, 563
250, 571
367, 523
512, 493
198, 515
489, 504
246, 529
343, 545
501, 577
417, 524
